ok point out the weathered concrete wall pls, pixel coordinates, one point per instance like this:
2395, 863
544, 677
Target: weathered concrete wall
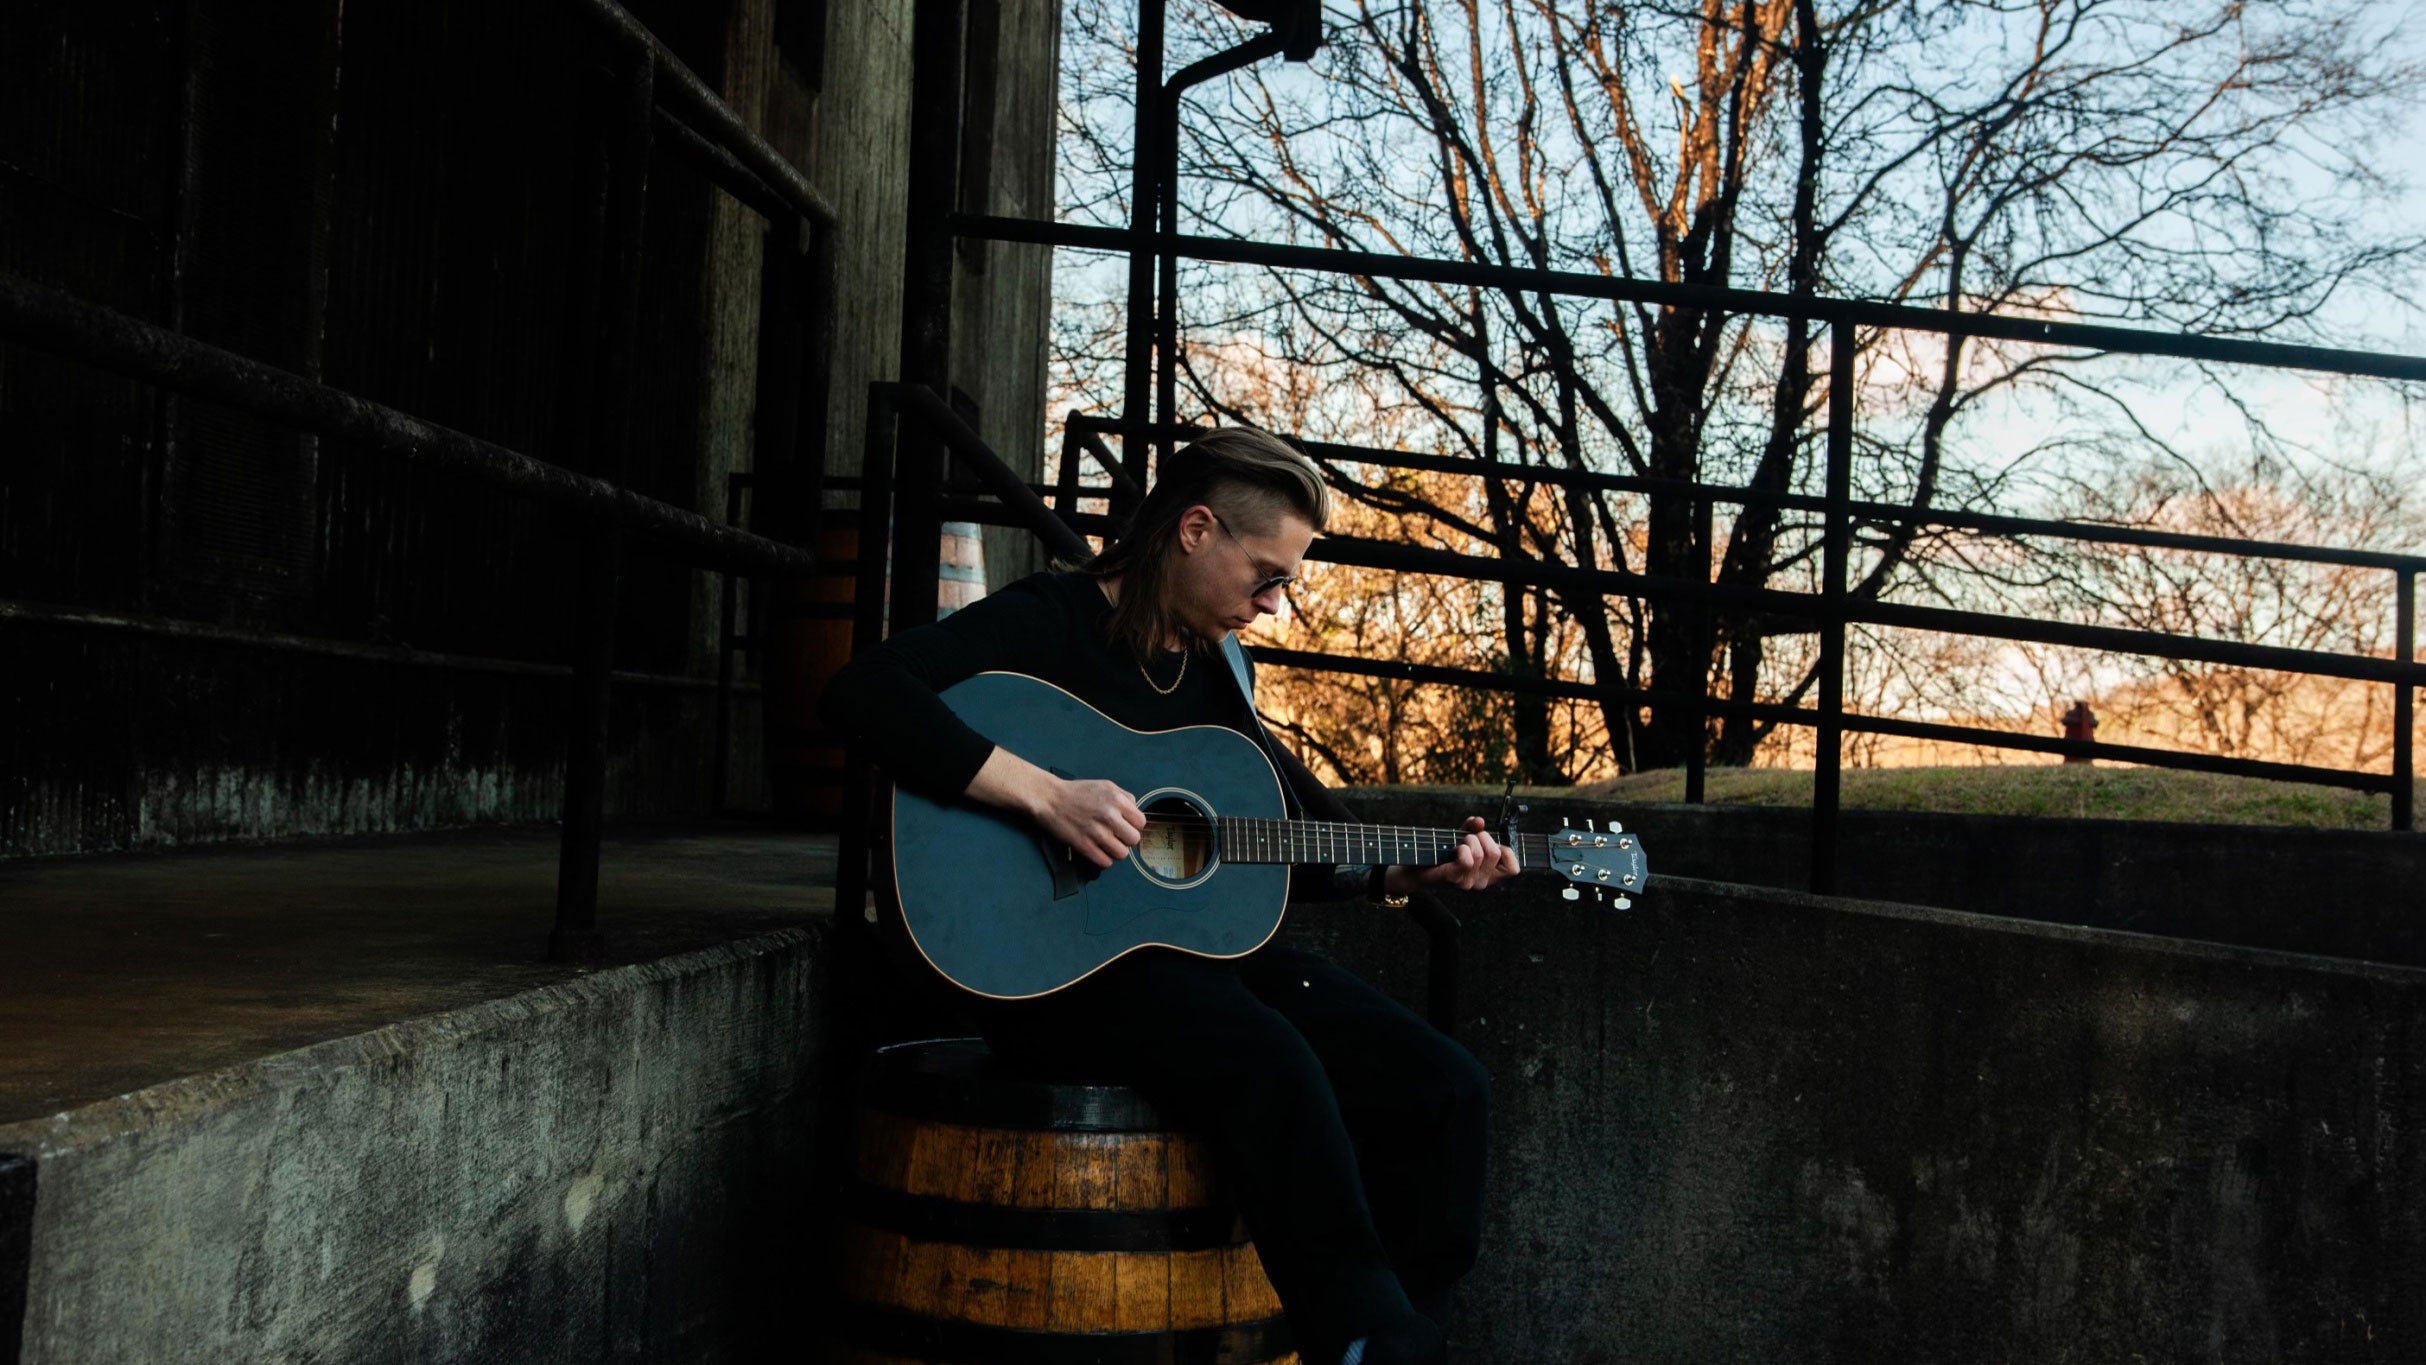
2340, 893
1730, 1124
615, 1168
1737, 1124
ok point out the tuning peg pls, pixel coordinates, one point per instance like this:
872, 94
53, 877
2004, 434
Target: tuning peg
1569, 893
1588, 823
1625, 902
1565, 823
1616, 828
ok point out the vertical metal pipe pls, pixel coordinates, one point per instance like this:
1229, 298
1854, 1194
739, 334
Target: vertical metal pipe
921, 458
1145, 199
934, 180
1166, 180
917, 524
1828, 761
2404, 702
1065, 479
1166, 272
1697, 753
727, 639
776, 391
875, 522
822, 279
585, 759
176, 255
867, 628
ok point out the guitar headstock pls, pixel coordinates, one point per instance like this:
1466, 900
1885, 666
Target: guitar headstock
1608, 863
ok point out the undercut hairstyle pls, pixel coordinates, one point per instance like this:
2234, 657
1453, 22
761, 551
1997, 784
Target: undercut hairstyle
1252, 478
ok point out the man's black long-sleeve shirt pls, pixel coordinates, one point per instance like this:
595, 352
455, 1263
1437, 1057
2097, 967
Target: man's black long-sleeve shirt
1050, 626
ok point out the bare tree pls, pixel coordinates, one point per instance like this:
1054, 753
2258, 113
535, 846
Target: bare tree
2245, 712
2195, 165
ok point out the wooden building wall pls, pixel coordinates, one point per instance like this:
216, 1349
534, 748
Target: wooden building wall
203, 616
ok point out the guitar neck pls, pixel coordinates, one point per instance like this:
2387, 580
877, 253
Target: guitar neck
1246, 840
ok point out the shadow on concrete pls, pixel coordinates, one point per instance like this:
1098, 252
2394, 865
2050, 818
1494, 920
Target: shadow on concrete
123, 971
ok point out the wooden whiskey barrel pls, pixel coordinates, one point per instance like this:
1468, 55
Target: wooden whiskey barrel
999, 1218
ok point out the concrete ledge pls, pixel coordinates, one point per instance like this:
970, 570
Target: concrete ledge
2340, 893
1734, 1123
611, 1167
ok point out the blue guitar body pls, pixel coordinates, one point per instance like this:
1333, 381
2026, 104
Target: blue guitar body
995, 909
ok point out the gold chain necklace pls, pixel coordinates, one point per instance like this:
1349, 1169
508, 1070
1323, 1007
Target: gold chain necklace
1159, 689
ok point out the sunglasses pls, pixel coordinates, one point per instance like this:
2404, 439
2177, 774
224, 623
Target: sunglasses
1263, 585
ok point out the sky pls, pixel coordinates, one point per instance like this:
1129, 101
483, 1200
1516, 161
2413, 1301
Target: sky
2361, 421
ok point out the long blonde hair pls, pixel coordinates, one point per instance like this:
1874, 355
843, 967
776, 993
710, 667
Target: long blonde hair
1251, 477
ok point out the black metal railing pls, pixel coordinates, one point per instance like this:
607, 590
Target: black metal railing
1831, 608
654, 93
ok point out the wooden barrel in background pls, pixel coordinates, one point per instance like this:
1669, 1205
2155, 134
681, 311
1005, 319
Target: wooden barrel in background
805, 633
995, 1218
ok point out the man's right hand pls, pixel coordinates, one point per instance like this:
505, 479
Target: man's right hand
1096, 819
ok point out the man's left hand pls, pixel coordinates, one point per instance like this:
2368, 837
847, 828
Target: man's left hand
1481, 861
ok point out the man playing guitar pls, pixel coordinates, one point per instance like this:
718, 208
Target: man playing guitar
1352, 1133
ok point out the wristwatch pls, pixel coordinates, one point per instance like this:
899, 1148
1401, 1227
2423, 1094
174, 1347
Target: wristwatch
1377, 889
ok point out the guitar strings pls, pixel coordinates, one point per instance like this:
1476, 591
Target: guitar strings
1325, 828
1528, 845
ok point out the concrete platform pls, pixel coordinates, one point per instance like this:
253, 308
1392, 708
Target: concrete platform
1731, 1124
121, 972
331, 1103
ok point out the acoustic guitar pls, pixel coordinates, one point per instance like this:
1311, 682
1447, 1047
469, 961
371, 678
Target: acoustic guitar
1005, 911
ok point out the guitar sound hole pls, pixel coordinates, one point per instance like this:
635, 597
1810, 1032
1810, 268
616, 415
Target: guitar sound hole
1178, 842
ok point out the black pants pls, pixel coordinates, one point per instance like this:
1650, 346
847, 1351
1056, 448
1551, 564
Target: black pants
1350, 1131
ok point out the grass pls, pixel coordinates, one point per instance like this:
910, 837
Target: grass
2056, 790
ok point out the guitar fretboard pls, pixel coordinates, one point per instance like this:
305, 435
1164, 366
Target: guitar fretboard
1247, 840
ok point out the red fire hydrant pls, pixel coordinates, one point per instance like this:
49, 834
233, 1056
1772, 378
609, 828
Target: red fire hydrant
2080, 723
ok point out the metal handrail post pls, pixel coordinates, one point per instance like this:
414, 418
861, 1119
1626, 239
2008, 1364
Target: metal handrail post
1065, 479
1697, 753
1145, 200
926, 305
585, 759
1828, 758
917, 520
2404, 702
728, 638
822, 277
868, 593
